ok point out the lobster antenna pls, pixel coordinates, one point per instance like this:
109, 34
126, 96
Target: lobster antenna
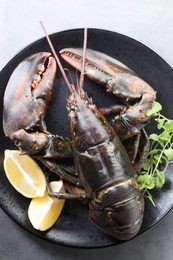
81, 81
70, 76
77, 80
56, 58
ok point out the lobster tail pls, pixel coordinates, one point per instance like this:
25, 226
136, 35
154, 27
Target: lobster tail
118, 208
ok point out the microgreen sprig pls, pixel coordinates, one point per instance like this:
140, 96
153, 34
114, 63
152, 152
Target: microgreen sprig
160, 155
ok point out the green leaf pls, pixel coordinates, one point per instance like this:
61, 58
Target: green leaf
151, 176
169, 153
149, 112
154, 151
165, 136
158, 158
156, 107
146, 181
160, 123
169, 125
162, 143
160, 179
154, 161
147, 164
149, 182
154, 137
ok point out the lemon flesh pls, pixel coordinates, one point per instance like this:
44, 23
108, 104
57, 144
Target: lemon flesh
24, 174
44, 212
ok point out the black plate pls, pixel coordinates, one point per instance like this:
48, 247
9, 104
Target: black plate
73, 227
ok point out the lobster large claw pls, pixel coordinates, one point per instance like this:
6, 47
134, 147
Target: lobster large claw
26, 98
28, 90
122, 82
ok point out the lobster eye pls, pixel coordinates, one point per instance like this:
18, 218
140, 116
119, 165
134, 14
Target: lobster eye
18, 143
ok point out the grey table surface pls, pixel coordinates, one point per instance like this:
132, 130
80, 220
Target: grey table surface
149, 22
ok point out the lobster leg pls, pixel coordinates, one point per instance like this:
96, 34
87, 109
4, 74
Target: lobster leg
65, 171
122, 82
72, 183
115, 110
137, 148
75, 190
142, 147
69, 196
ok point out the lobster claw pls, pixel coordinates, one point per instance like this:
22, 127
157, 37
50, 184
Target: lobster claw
98, 67
120, 80
28, 90
26, 99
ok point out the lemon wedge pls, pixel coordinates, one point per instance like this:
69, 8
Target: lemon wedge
44, 212
24, 174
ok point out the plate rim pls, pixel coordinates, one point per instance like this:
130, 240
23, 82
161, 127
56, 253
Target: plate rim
37, 42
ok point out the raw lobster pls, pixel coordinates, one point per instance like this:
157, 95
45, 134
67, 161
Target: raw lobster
102, 167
